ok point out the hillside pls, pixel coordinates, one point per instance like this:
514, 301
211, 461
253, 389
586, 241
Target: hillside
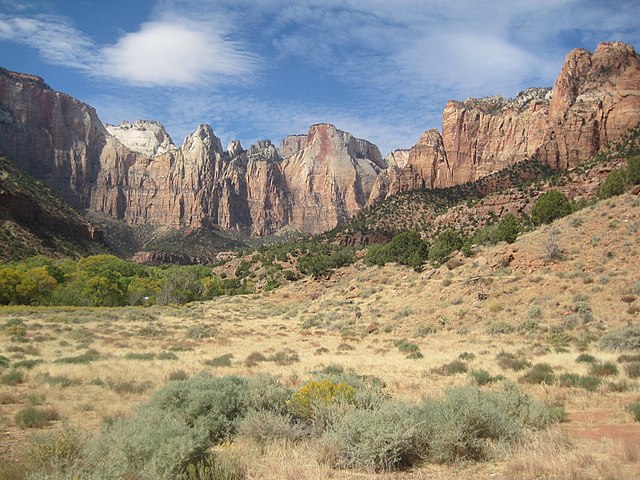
36, 221
507, 305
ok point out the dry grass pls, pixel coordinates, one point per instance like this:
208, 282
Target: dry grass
325, 323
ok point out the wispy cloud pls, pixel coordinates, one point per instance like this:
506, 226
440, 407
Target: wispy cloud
56, 40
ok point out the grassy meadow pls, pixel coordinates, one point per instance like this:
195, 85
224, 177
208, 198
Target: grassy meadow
562, 331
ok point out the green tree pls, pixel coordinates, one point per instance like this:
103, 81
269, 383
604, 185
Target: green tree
446, 243
508, 229
550, 206
10, 278
615, 184
35, 286
633, 170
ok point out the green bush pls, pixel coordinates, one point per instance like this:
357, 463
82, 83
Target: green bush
615, 184
210, 403
508, 229
624, 339
90, 355
153, 444
588, 382
377, 440
550, 206
585, 358
452, 368
539, 373
482, 377
447, 242
264, 426
221, 361
406, 248
202, 331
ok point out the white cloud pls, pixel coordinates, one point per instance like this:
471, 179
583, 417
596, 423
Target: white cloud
175, 53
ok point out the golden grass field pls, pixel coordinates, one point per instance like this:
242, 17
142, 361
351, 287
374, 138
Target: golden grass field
528, 307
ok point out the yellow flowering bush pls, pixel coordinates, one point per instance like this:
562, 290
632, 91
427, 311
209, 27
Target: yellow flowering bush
319, 393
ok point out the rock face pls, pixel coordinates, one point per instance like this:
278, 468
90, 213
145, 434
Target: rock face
595, 99
145, 137
330, 178
316, 181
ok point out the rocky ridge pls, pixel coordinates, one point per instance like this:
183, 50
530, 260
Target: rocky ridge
311, 182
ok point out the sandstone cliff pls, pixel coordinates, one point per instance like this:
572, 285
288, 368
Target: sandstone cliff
316, 181
595, 99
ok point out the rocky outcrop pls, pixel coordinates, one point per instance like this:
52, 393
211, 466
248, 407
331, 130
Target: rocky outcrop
145, 137
330, 179
595, 99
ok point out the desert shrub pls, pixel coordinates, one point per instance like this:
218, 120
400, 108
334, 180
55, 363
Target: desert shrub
253, 358
550, 206
178, 375
4, 362
140, 356
452, 368
623, 339
585, 358
467, 356
202, 331
152, 444
55, 450
62, 381
35, 417
129, 387
211, 403
264, 426
482, 377
27, 364
634, 409
500, 327
90, 355
411, 349
377, 440
539, 373
588, 382
284, 357
615, 184
167, 356
633, 369
221, 361
468, 422
12, 377
315, 394
267, 393
603, 369
508, 229
552, 251
620, 386
215, 468
447, 242
511, 361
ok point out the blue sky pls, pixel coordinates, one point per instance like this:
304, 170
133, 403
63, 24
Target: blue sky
380, 69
